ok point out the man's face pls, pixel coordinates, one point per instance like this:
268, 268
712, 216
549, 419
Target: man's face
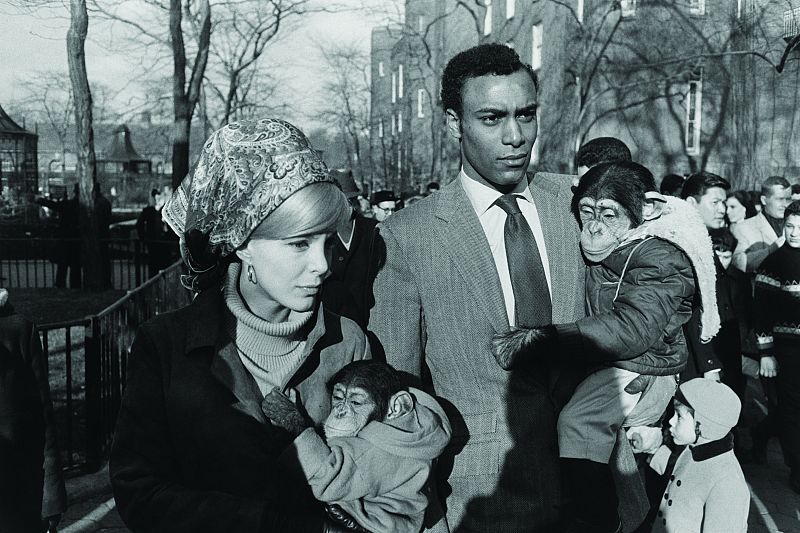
791, 230
776, 201
712, 207
497, 128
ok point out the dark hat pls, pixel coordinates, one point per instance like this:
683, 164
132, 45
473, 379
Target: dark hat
716, 407
383, 196
344, 177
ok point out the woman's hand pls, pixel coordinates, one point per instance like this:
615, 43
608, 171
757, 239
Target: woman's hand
284, 413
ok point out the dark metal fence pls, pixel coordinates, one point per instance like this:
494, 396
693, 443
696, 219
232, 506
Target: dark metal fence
87, 361
33, 263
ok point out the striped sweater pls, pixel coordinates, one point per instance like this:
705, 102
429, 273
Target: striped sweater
777, 301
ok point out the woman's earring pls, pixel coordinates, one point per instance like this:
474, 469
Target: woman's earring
251, 275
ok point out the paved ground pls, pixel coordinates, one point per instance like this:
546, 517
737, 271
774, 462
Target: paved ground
774, 508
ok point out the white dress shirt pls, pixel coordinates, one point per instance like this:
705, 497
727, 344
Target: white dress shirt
493, 220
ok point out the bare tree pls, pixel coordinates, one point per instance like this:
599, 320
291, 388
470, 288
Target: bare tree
347, 99
46, 100
192, 17
243, 31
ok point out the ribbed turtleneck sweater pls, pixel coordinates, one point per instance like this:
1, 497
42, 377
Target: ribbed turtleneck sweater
269, 351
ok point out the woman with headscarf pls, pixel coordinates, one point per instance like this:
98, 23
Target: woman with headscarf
193, 450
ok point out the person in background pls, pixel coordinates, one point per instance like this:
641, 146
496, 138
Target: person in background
739, 207
777, 326
348, 289
431, 188
384, 203
193, 450
67, 251
795, 192
150, 231
102, 218
671, 185
763, 234
600, 150
32, 493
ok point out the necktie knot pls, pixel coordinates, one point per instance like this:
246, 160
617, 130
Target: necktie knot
508, 203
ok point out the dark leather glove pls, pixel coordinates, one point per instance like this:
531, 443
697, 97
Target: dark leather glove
339, 517
284, 413
639, 384
519, 346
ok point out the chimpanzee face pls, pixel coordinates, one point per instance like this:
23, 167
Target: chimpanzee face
352, 408
604, 223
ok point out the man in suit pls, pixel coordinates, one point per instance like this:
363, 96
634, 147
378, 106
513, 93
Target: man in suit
448, 285
762, 234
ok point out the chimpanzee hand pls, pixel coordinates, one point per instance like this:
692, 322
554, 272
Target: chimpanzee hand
284, 413
523, 345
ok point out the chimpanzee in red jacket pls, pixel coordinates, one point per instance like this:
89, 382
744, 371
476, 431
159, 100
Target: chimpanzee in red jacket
646, 256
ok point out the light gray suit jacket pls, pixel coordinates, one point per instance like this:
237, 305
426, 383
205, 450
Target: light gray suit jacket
438, 304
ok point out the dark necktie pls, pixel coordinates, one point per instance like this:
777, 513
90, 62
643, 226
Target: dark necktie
528, 279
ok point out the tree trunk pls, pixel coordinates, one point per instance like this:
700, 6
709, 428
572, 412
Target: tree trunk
93, 271
185, 98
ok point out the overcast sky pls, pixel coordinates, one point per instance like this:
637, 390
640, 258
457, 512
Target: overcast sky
36, 42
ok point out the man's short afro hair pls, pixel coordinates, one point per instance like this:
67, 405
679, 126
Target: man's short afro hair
484, 59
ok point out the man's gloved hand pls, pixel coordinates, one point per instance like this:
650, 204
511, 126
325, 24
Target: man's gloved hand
523, 345
639, 384
338, 520
284, 413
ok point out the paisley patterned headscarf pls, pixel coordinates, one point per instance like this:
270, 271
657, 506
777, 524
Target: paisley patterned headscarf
246, 170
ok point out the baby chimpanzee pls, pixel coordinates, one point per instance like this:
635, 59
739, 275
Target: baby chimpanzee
381, 441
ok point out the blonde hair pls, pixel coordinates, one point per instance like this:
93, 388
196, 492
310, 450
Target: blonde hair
316, 208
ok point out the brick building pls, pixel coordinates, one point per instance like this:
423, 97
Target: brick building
687, 84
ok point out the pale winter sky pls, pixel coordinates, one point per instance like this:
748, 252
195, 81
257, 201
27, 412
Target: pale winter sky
30, 43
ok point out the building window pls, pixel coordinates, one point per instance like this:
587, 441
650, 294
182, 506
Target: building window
380, 69
628, 8
394, 87
511, 7
420, 24
394, 125
420, 103
400, 81
380, 129
697, 7
487, 18
579, 11
536, 46
694, 112
399, 161
399, 122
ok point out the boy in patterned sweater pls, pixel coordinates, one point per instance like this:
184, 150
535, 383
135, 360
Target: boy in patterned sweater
777, 325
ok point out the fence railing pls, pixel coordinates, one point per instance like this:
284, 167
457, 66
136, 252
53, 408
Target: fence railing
38, 263
87, 361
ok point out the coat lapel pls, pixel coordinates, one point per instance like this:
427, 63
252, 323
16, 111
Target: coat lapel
463, 238
558, 237
228, 369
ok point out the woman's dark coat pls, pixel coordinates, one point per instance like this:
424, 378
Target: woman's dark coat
193, 451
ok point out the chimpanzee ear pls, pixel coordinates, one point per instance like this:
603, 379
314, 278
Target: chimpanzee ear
400, 403
653, 205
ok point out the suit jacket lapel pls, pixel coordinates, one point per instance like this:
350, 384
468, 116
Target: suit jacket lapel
463, 238
557, 238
